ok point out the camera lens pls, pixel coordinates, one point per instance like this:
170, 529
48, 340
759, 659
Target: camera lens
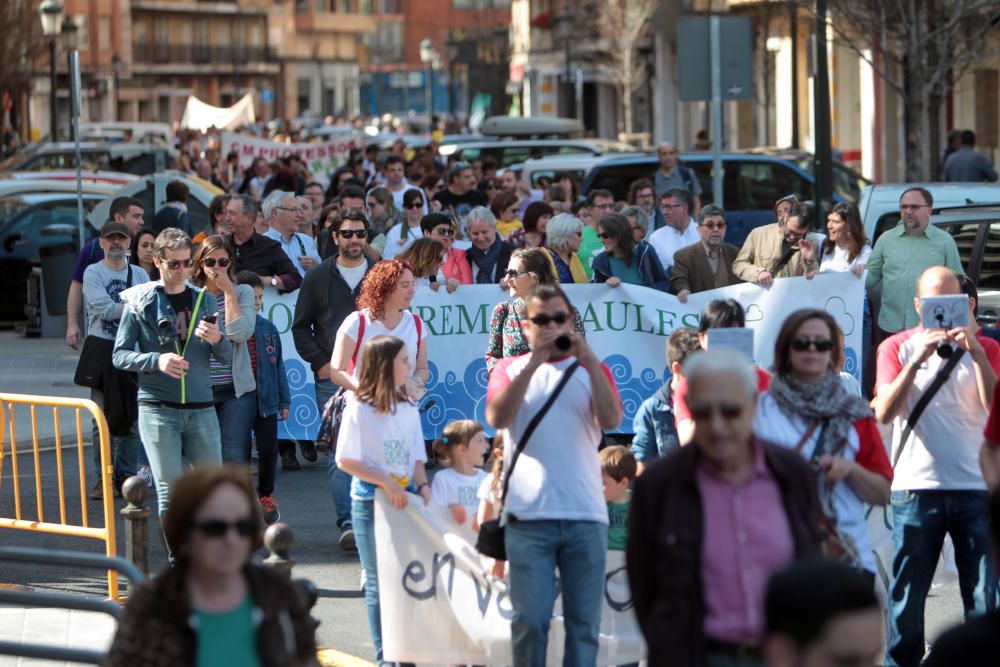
563, 343
945, 350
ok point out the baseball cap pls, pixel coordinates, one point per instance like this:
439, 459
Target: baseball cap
113, 228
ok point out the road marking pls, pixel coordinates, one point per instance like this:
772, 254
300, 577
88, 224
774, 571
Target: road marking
331, 657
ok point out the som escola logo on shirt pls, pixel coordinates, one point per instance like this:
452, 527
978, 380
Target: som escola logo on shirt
396, 452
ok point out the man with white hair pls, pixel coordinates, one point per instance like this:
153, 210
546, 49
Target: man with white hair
489, 254
282, 212
755, 504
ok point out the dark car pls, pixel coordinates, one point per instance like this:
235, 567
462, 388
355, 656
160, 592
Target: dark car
27, 224
752, 182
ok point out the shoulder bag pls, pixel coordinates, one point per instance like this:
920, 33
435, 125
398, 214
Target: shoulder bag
490, 541
95, 355
942, 376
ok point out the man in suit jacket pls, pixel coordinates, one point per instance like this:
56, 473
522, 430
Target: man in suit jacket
708, 263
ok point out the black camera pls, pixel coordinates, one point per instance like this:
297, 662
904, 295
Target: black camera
563, 343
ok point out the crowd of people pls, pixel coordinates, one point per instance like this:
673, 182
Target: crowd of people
734, 473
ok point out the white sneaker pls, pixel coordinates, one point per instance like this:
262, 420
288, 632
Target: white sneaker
146, 474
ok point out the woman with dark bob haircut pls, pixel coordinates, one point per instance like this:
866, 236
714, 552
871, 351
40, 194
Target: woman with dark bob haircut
214, 606
807, 408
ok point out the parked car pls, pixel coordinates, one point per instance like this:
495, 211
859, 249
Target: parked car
11, 187
752, 181
518, 150
138, 159
534, 127
29, 222
879, 204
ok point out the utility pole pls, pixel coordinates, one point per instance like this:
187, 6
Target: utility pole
794, 29
821, 92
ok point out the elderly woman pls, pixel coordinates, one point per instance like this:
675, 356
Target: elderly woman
214, 606
536, 219
624, 260
807, 408
489, 254
562, 239
528, 268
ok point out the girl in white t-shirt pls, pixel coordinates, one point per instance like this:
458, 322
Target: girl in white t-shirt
382, 310
381, 445
462, 448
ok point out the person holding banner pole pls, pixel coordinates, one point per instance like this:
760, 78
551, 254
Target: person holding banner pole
381, 444
554, 512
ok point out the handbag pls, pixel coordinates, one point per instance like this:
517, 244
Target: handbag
95, 355
333, 411
832, 544
490, 541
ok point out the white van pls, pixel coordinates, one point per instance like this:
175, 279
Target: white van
879, 204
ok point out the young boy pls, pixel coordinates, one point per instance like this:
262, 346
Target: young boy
654, 425
618, 470
273, 397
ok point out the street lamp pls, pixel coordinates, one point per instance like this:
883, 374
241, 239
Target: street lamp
67, 35
51, 12
427, 56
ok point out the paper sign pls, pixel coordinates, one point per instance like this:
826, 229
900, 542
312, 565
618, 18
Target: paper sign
732, 338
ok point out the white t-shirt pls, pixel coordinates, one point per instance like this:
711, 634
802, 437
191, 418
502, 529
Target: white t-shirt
667, 240
836, 259
487, 493
864, 447
451, 487
558, 475
393, 443
353, 275
406, 331
943, 450
392, 246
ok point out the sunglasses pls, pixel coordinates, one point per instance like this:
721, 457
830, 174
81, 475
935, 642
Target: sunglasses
174, 264
210, 262
218, 527
713, 225
543, 320
727, 410
603, 236
416, 204
444, 231
514, 273
352, 233
819, 344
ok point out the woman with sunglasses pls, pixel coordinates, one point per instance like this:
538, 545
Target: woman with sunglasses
807, 408
506, 206
528, 268
624, 260
454, 266
215, 606
403, 234
233, 383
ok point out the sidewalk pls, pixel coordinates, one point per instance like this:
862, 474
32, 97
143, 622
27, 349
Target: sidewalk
53, 627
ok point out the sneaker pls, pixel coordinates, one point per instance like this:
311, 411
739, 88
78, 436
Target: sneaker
269, 506
288, 461
308, 448
97, 492
347, 542
146, 475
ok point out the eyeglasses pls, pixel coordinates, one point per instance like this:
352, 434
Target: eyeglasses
352, 233
285, 208
713, 225
913, 207
674, 205
543, 320
210, 262
444, 231
174, 264
416, 204
707, 411
514, 273
819, 344
218, 527
603, 207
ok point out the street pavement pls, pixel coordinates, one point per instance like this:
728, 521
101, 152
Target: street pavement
45, 367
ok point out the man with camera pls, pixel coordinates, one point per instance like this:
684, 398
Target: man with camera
554, 511
936, 386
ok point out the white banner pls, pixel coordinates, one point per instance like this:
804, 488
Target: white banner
322, 159
440, 605
627, 326
202, 116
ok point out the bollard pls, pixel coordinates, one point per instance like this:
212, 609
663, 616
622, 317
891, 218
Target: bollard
136, 516
305, 591
278, 538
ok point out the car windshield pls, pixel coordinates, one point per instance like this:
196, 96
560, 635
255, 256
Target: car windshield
846, 182
11, 206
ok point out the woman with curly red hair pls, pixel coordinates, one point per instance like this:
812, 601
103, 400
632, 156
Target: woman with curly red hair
382, 311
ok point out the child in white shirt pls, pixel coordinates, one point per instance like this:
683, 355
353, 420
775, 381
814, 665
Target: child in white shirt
462, 448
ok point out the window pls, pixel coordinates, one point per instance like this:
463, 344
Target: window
618, 178
305, 94
755, 186
965, 238
989, 269
104, 33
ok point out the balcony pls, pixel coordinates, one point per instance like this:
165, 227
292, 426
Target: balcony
334, 22
200, 54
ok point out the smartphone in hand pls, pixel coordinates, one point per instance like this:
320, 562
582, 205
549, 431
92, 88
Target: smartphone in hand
211, 319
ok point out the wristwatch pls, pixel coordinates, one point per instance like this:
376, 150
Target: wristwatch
274, 281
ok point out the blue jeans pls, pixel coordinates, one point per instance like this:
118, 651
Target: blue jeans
340, 481
534, 550
363, 512
236, 417
920, 520
127, 452
173, 437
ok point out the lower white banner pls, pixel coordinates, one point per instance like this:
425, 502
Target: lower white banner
627, 326
440, 605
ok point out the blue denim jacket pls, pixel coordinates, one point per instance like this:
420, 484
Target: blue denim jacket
147, 325
272, 381
655, 430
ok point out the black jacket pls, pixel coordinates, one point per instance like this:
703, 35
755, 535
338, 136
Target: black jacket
502, 261
324, 302
665, 540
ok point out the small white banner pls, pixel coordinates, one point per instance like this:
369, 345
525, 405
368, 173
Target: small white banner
440, 605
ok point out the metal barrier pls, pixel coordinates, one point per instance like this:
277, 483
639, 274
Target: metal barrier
64, 526
61, 600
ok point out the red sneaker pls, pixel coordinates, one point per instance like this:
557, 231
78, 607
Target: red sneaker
269, 506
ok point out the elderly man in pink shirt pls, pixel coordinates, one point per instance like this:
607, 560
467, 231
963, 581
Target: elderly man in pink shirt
710, 522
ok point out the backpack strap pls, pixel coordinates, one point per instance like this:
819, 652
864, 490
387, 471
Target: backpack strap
419, 324
361, 337
128, 278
